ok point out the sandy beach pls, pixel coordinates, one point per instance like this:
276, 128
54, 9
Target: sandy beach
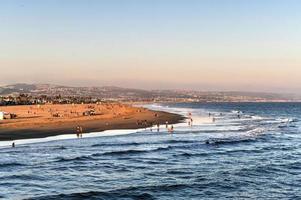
38, 121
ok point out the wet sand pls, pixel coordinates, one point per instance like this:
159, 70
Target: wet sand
50, 120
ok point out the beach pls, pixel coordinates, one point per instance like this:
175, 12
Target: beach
39, 121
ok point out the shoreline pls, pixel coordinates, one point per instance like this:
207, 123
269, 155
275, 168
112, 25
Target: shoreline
12, 131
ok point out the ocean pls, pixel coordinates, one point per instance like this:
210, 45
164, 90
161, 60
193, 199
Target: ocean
240, 151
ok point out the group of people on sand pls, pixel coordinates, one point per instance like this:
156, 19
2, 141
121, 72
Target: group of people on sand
142, 123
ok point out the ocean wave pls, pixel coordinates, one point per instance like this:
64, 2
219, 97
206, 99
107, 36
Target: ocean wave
256, 117
142, 143
179, 141
134, 192
179, 172
244, 151
256, 131
288, 120
236, 111
134, 151
79, 158
12, 164
25, 177
190, 154
99, 195
230, 141
60, 148
118, 144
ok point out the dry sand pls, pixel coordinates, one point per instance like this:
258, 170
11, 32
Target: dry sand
36, 121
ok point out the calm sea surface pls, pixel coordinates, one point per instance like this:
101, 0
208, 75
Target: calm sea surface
254, 152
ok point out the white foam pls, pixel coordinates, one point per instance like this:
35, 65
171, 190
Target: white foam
69, 136
256, 117
287, 120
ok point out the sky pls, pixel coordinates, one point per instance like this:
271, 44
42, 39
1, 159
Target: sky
221, 45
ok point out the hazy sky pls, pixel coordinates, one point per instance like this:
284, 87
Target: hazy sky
250, 45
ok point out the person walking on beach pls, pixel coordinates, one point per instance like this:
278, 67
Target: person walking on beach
166, 124
158, 127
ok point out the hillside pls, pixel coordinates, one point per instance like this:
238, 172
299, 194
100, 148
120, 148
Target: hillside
118, 93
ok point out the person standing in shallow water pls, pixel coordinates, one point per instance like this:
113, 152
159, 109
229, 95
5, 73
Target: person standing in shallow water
170, 130
79, 131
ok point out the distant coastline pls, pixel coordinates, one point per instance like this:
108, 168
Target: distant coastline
25, 94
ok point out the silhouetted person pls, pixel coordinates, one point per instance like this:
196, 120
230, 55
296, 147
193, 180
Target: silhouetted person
78, 131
